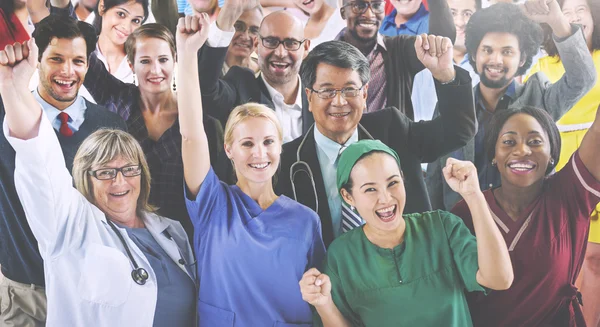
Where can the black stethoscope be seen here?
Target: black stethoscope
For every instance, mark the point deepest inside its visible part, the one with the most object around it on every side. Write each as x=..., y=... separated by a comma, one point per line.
x=302, y=167
x=139, y=274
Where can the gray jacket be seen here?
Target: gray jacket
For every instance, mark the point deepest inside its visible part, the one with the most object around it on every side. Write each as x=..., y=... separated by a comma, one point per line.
x=556, y=99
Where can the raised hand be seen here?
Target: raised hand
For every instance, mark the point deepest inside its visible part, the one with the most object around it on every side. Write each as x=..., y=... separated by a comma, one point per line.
x=17, y=64
x=316, y=288
x=192, y=32
x=435, y=52
x=549, y=12
x=462, y=177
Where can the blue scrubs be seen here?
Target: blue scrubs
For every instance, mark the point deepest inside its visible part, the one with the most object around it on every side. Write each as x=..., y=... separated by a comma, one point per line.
x=249, y=260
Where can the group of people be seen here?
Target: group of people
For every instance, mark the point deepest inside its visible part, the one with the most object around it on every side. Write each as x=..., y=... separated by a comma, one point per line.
x=239, y=174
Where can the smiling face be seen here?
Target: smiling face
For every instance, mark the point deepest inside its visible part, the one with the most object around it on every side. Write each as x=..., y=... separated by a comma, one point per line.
x=461, y=10
x=245, y=39
x=280, y=66
x=117, y=197
x=153, y=65
x=377, y=192
x=309, y=6
x=62, y=71
x=362, y=27
x=578, y=12
x=498, y=59
x=522, y=151
x=337, y=118
x=255, y=150
x=119, y=21
x=406, y=8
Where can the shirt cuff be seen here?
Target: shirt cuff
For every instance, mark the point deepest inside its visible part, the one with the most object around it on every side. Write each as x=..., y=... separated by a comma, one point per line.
x=575, y=30
x=217, y=38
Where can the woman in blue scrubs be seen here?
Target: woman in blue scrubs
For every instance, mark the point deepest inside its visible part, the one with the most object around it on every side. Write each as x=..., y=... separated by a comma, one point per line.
x=252, y=246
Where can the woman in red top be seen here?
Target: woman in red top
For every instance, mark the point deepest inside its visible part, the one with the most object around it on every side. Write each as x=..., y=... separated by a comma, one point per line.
x=544, y=219
x=13, y=22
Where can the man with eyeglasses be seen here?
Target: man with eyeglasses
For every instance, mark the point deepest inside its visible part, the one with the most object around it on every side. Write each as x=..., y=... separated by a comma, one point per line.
x=242, y=48
x=336, y=76
x=392, y=60
x=280, y=46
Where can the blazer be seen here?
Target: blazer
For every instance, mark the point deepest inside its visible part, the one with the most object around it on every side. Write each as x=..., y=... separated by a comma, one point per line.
x=415, y=142
x=238, y=86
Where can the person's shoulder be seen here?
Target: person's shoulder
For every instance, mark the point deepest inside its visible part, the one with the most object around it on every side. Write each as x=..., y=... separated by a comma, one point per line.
x=95, y=111
x=299, y=210
x=290, y=148
x=344, y=243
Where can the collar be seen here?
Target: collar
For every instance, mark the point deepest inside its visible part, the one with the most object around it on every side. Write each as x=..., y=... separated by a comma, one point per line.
x=278, y=97
x=380, y=40
x=510, y=92
x=465, y=60
x=329, y=146
x=76, y=110
x=412, y=24
x=155, y=223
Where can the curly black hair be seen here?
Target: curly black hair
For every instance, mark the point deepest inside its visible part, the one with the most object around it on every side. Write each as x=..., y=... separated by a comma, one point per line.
x=504, y=18
x=548, y=43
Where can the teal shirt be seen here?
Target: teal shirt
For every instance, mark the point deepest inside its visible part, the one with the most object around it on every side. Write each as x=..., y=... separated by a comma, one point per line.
x=420, y=282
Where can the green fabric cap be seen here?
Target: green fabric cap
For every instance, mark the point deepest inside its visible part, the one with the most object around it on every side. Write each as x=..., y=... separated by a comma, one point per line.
x=355, y=151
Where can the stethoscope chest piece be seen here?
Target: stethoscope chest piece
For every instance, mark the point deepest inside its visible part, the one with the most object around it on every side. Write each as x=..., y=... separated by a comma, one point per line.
x=139, y=275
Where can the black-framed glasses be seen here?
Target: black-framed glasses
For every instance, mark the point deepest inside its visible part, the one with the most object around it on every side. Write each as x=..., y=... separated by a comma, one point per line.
x=347, y=92
x=111, y=173
x=242, y=28
x=360, y=7
x=271, y=42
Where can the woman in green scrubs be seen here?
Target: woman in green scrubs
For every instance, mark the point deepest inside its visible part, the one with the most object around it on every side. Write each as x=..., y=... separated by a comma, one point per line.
x=404, y=270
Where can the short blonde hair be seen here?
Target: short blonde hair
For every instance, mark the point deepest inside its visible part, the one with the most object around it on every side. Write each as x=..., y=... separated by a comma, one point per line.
x=250, y=110
x=100, y=148
x=152, y=31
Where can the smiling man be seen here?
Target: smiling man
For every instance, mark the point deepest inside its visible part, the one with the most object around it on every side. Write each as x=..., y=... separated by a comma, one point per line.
x=64, y=47
x=280, y=45
x=392, y=60
x=336, y=76
x=244, y=42
x=501, y=50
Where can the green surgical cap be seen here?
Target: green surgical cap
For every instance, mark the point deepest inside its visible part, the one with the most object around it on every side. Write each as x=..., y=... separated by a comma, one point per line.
x=354, y=152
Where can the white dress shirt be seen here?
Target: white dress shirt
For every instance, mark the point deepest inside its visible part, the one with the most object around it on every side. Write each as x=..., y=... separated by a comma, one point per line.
x=87, y=269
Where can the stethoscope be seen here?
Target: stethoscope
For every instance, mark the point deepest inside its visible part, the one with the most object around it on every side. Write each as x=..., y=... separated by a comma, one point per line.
x=139, y=274
x=302, y=167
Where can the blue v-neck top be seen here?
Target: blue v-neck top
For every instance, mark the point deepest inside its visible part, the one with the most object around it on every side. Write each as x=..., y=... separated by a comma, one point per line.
x=251, y=260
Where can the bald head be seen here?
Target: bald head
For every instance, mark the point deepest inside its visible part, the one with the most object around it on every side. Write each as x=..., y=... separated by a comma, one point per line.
x=282, y=20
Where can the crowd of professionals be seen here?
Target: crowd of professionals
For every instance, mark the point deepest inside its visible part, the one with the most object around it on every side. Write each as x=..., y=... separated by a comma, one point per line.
x=299, y=163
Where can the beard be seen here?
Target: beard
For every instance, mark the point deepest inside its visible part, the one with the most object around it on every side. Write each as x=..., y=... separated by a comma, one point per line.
x=494, y=84
x=361, y=39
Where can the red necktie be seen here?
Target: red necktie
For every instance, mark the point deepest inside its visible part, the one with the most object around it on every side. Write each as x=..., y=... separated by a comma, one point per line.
x=64, y=127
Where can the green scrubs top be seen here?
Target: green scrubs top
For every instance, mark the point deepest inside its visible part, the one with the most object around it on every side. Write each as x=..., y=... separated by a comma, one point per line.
x=420, y=282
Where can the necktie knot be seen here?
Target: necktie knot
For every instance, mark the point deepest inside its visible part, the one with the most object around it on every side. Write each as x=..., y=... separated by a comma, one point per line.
x=65, y=130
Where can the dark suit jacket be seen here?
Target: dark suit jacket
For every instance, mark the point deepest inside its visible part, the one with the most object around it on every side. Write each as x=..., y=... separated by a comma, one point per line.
x=415, y=142
x=238, y=86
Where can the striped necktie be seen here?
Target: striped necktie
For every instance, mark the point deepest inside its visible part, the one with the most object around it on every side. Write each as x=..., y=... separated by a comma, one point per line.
x=350, y=219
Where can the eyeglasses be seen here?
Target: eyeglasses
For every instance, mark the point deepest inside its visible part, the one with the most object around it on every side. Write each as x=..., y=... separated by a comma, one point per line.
x=111, y=173
x=242, y=28
x=347, y=92
x=271, y=42
x=360, y=7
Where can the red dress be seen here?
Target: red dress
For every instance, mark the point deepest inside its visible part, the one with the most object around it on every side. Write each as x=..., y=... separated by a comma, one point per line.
x=8, y=36
x=547, y=247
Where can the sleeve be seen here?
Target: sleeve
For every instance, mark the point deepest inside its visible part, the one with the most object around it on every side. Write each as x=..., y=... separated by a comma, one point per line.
x=54, y=209
x=452, y=129
x=576, y=188
x=107, y=90
x=579, y=77
x=210, y=201
x=217, y=38
x=339, y=299
x=219, y=95
x=435, y=185
x=316, y=252
x=463, y=246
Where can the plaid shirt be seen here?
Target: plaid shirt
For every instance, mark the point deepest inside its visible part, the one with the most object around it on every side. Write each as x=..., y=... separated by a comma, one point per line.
x=163, y=155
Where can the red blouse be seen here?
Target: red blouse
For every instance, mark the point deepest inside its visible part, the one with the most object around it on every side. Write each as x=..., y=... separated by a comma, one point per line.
x=18, y=35
x=547, y=247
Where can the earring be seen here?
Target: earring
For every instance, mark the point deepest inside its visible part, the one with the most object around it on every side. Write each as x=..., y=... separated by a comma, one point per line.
x=551, y=162
x=494, y=162
x=352, y=208
x=174, y=85
x=134, y=80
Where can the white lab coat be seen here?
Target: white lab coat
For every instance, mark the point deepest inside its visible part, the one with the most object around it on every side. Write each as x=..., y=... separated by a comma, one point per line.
x=87, y=271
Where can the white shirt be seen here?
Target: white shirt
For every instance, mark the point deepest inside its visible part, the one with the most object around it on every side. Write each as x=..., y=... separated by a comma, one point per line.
x=87, y=271
x=123, y=72
x=332, y=28
x=289, y=115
